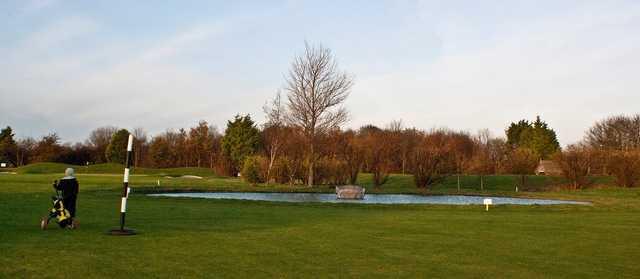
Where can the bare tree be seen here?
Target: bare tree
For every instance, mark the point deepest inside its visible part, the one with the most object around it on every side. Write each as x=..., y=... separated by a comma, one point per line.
x=522, y=161
x=488, y=155
x=25, y=150
x=395, y=126
x=432, y=159
x=214, y=146
x=615, y=133
x=316, y=90
x=350, y=150
x=574, y=162
x=139, y=145
x=377, y=152
x=462, y=146
x=99, y=139
x=273, y=130
x=625, y=167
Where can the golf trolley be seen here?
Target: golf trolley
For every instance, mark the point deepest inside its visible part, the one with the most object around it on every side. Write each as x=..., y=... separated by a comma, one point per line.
x=58, y=212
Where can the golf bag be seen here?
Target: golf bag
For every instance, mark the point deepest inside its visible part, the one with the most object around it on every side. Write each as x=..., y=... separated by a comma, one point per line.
x=58, y=212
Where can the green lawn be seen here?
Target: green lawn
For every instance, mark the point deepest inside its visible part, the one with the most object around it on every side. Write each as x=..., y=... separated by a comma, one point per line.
x=215, y=238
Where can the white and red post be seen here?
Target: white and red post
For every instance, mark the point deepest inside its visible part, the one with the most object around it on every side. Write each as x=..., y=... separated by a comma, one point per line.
x=125, y=184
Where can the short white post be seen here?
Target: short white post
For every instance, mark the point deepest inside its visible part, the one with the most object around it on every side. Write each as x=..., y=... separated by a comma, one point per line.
x=487, y=202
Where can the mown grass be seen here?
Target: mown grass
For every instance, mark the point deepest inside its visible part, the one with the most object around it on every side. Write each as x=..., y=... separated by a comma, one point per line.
x=223, y=238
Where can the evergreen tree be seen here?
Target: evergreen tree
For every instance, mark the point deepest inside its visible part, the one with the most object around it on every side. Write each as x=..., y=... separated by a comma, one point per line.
x=8, y=146
x=536, y=136
x=514, y=132
x=117, y=150
x=241, y=139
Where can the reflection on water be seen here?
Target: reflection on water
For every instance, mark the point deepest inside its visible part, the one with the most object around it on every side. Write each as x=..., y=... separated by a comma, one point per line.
x=368, y=199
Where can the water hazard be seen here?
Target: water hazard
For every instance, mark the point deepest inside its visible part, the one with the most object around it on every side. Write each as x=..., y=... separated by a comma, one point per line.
x=368, y=199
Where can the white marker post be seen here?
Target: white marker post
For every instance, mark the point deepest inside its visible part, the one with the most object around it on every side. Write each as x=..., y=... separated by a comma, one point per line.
x=487, y=203
x=125, y=192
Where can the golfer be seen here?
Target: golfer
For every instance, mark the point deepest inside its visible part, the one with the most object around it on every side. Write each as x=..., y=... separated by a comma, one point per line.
x=69, y=187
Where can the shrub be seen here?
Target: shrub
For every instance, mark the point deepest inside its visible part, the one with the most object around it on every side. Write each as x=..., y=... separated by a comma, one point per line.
x=523, y=162
x=224, y=167
x=285, y=171
x=253, y=169
x=574, y=162
x=331, y=172
x=377, y=152
x=481, y=165
x=432, y=160
x=625, y=167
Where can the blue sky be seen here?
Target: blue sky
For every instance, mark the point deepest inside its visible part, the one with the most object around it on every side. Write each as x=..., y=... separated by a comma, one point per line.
x=71, y=66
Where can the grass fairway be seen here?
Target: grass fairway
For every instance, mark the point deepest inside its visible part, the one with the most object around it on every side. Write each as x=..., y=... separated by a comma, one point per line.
x=213, y=238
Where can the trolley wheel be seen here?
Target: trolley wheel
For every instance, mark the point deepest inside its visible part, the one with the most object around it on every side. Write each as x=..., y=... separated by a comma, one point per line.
x=44, y=222
x=75, y=223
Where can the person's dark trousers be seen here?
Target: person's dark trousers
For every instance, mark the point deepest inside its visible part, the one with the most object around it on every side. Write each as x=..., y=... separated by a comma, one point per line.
x=70, y=204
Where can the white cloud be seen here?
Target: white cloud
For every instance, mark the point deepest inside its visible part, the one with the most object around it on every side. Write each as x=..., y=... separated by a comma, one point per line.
x=134, y=85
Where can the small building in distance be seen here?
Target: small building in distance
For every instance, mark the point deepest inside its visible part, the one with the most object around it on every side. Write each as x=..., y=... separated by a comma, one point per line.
x=548, y=167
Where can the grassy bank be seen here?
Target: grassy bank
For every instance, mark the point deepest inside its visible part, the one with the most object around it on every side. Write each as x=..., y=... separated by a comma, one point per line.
x=217, y=238
x=110, y=168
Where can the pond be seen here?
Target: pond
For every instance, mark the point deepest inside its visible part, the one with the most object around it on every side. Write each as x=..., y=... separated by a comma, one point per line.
x=368, y=199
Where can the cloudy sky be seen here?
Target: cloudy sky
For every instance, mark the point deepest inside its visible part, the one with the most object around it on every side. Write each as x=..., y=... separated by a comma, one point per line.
x=71, y=66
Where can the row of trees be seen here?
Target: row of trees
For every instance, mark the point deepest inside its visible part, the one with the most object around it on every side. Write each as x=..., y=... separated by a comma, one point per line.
x=611, y=147
x=340, y=155
x=277, y=152
x=198, y=147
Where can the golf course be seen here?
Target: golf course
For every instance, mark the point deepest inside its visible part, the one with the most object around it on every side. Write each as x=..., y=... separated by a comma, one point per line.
x=184, y=237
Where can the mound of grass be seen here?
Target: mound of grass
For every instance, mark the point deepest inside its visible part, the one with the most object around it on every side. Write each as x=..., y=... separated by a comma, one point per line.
x=176, y=172
x=43, y=168
x=106, y=168
x=52, y=168
x=111, y=168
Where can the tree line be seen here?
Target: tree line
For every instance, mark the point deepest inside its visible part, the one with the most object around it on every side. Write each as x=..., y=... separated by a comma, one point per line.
x=278, y=152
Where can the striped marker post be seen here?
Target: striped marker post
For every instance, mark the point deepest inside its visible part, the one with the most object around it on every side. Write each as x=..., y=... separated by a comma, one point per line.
x=125, y=192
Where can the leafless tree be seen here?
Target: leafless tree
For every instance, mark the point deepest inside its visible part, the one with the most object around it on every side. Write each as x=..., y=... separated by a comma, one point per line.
x=522, y=161
x=489, y=154
x=462, y=146
x=377, y=152
x=99, y=139
x=139, y=145
x=432, y=159
x=316, y=90
x=395, y=126
x=273, y=130
x=214, y=146
x=574, y=162
x=625, y=167
x=25, y=150
x=615, y=133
